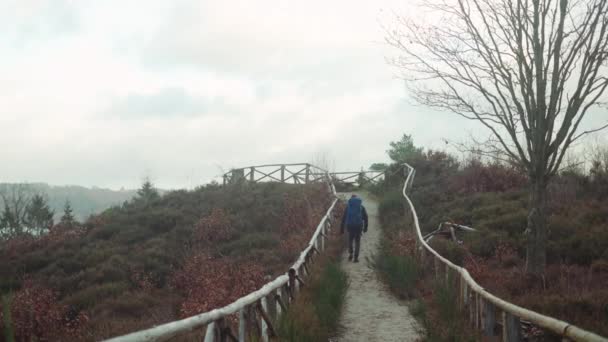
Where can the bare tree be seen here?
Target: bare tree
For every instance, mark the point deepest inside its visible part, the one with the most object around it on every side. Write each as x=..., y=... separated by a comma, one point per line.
x=528, y=70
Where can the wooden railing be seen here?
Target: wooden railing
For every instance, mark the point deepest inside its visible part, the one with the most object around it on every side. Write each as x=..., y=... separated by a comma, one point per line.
x=302, y=173
x=259, y=311
x=358, y=177
x=484, y=310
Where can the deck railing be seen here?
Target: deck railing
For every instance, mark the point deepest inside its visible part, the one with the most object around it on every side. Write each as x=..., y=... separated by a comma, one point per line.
x=484, y=310
x=259, y=311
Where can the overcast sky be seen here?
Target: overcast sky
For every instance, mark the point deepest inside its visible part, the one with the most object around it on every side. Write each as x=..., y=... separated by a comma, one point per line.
x=107, y=92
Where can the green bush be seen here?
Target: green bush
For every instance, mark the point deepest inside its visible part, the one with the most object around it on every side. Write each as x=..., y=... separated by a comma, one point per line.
x=391, y=203
x=449, y=250
x=316, y=315
x=249, y=242
x=93, y=295
x=485, y=241
x=400, y=272
x=329, y=295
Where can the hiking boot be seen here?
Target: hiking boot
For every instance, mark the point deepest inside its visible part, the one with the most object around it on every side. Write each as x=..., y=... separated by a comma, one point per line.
x=356, y=260
x=350, y=257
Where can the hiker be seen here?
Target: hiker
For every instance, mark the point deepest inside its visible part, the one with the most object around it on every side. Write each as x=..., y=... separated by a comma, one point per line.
x=355, y=219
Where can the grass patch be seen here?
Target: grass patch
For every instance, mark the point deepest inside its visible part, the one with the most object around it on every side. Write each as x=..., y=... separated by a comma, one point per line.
x=439, y=316
x=316, y=312
x=399, y=271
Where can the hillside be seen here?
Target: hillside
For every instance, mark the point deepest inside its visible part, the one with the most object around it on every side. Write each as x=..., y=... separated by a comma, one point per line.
x=493, y=199
x=84, y=201
x=155, y=259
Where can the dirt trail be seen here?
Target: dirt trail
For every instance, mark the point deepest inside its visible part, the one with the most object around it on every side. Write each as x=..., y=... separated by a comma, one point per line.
x=371, y=312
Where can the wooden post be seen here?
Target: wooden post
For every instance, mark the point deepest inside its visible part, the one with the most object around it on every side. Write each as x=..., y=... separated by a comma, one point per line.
x=292, y=283
x=242, y=325
x=252, y=175
x=471, y=302
x=511, y=328
x=264, y=332
x=285, y=294
x=489, y=319
x=461, y=289
x=323, y=230
x=277, y=303
x=478, y=309
x=436, y=267
x=307, y=173
x=282, y=173
x=272, y=307
x=210, y=333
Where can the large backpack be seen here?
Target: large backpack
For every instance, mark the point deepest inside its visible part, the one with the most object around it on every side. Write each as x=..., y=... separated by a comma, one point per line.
x=354, y=210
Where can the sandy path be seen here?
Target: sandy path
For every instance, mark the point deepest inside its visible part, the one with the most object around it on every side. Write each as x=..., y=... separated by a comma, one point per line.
x=371, y=312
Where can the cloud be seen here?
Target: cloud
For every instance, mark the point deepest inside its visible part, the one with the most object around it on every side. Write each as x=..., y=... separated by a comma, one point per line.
x=166, y=103
x=107, y=92
x=25, y=22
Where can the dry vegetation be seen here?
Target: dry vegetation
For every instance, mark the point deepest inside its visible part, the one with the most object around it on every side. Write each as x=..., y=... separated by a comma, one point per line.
x=154, y=259
x=492, y=198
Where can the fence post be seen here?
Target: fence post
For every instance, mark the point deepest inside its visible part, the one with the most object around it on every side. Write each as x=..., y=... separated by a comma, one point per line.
x=292, y=283
x=436, y=259
x=264, y=332
x=280, y=300
x=489, y=319
x=471, y=302
x=511, y=328
x=210, y=333
x=242, y=325
x=285, y=295
x=323, y=230
x=307, y=173
x=282, y=173
x=461, y=292
x=478, y=309
x=272, y=307
x=252, y=175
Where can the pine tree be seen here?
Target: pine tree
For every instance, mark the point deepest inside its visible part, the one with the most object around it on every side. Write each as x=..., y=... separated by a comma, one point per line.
x=147, y=192
x=38, y=215
x=67, y=220
x=9, y=224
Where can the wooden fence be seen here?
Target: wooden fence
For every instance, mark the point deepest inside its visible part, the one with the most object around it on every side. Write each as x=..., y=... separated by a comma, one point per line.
x=259, y=311
x=486, y=312
x=302, y=173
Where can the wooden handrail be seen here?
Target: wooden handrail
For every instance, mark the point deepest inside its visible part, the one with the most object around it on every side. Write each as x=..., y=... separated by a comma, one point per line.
x=551, y=324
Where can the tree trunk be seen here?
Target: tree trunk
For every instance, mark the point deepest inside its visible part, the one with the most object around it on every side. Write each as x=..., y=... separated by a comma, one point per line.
x=536, y=257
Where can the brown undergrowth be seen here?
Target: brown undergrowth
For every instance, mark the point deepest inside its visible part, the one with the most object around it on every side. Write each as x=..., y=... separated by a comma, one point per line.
x=152, y=261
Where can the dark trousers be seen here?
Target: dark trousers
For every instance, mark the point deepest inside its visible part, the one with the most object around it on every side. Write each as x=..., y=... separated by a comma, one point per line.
x=354, y=240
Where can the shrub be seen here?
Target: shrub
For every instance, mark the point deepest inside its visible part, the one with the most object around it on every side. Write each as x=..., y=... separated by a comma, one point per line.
x=400, y=271
x=316, y=312
x=391, y=204
x=329, y=294
x=449, y=250
x=90, y=296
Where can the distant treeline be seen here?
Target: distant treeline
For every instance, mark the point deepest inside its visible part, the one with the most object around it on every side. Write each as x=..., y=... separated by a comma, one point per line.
x=84, y=201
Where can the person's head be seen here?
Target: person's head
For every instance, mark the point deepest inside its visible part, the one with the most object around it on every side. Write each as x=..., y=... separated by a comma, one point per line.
x=353, y=196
